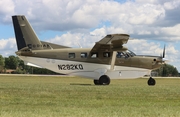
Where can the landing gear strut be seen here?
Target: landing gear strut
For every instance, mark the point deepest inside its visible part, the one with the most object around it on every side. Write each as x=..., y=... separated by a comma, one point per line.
x=151, y=82
x=103, y=80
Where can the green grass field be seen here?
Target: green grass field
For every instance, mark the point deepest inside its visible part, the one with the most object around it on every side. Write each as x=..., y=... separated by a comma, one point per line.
x=36, y=96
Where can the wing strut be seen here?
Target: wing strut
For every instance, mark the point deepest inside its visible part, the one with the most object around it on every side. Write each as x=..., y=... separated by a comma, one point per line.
x=113, y=60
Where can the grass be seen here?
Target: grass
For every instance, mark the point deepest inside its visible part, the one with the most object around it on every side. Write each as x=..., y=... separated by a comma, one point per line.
x=27, y=96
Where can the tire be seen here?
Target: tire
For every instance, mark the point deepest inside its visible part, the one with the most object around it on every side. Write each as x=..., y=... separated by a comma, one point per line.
x=96, y=82
x=104, y=80
x=151, y=82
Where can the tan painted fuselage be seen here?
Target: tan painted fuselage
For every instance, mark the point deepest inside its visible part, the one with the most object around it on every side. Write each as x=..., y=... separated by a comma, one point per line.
x=146, y=62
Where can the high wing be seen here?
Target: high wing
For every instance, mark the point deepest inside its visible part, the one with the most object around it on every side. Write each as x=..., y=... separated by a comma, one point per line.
x=111, y=42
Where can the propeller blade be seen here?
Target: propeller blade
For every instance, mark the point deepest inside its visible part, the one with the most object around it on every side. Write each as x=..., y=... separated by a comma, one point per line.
x=164, y=52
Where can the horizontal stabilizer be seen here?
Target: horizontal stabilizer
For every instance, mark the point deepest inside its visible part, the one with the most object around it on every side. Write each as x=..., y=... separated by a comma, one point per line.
x=47, y=45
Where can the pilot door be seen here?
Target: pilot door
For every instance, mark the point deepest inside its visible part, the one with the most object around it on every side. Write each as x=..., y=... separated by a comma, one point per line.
x=123, y=59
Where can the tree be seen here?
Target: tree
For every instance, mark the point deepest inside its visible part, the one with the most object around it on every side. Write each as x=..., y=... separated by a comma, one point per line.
x=2, y=64
x=167, y=70
x=42, y=71
x=11, y=62
x=175, y=72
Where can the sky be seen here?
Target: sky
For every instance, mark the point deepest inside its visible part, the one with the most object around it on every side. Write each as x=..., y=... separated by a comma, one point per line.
x=151, y=24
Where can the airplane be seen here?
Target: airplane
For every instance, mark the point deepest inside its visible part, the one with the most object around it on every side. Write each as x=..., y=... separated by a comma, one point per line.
x=107, y=60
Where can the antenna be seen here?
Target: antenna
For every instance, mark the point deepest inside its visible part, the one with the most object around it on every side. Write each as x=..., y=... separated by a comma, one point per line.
x=79, y=44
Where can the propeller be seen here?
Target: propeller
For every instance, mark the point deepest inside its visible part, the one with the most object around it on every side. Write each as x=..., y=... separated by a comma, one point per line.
x=163, y=56
x=164, y=51
x=163, y=61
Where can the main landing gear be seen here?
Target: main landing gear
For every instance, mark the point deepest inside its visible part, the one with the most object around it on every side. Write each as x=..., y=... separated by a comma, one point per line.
x=103, y=80
x=151, y=81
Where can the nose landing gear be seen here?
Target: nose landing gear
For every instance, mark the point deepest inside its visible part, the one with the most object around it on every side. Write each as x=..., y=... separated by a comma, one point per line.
x=151, y=81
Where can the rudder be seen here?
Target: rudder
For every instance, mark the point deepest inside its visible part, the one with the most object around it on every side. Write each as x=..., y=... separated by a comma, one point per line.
x=25, y=35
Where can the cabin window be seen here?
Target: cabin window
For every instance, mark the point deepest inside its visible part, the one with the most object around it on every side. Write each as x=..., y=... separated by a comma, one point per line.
x=83, y=55
x=71, y=55
x=106, y=54
x=94, y=55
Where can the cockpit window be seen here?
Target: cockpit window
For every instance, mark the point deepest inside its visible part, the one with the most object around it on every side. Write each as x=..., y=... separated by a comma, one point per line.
x=125, y=54
x=122, y=55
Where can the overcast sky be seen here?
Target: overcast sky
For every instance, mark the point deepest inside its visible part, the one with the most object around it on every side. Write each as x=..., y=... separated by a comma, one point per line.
x=150, y=23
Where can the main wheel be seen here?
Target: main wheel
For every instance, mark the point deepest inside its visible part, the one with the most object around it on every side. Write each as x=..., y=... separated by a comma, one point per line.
x=96, y=82
x=104, y=80
x=151, y=82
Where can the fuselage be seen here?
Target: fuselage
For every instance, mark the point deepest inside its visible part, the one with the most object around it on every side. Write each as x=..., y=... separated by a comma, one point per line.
x=83, y=62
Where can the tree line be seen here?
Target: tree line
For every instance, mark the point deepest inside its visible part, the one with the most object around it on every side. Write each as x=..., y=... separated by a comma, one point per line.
x=167, y=70
x=14, y=65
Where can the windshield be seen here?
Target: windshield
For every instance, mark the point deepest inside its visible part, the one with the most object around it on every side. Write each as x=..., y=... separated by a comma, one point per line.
x=131, y=53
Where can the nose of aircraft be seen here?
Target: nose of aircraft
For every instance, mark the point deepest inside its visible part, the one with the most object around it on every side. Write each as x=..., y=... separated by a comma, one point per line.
x=161, y=59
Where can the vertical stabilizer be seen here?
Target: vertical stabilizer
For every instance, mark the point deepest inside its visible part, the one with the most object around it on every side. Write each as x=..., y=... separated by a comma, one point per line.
x=25, y=35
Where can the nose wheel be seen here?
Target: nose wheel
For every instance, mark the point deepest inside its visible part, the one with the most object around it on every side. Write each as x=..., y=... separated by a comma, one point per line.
x=151, y=81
